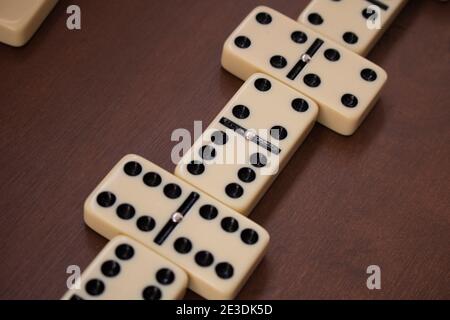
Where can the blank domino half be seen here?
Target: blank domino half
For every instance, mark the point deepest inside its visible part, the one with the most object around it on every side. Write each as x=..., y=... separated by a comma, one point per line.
x=345, y=85
x=127, y=270
x=216, y=246
x=346, y=21
x=19, y=19
x=258, y=130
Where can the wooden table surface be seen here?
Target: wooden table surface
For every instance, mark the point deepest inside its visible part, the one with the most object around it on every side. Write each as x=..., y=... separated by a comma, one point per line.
x=74, y=102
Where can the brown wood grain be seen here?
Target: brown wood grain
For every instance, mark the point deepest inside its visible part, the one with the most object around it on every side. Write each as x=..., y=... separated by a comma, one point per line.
x=73, y=102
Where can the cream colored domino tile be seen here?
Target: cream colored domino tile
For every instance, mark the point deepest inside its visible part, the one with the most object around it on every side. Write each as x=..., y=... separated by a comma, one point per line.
x=127, y=270
x=19, y=19
x=216, y=246
x=344, y=84
x=237, y=168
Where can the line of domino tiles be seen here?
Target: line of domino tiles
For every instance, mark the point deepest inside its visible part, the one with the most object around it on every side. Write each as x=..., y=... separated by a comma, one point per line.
x=170, y=232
